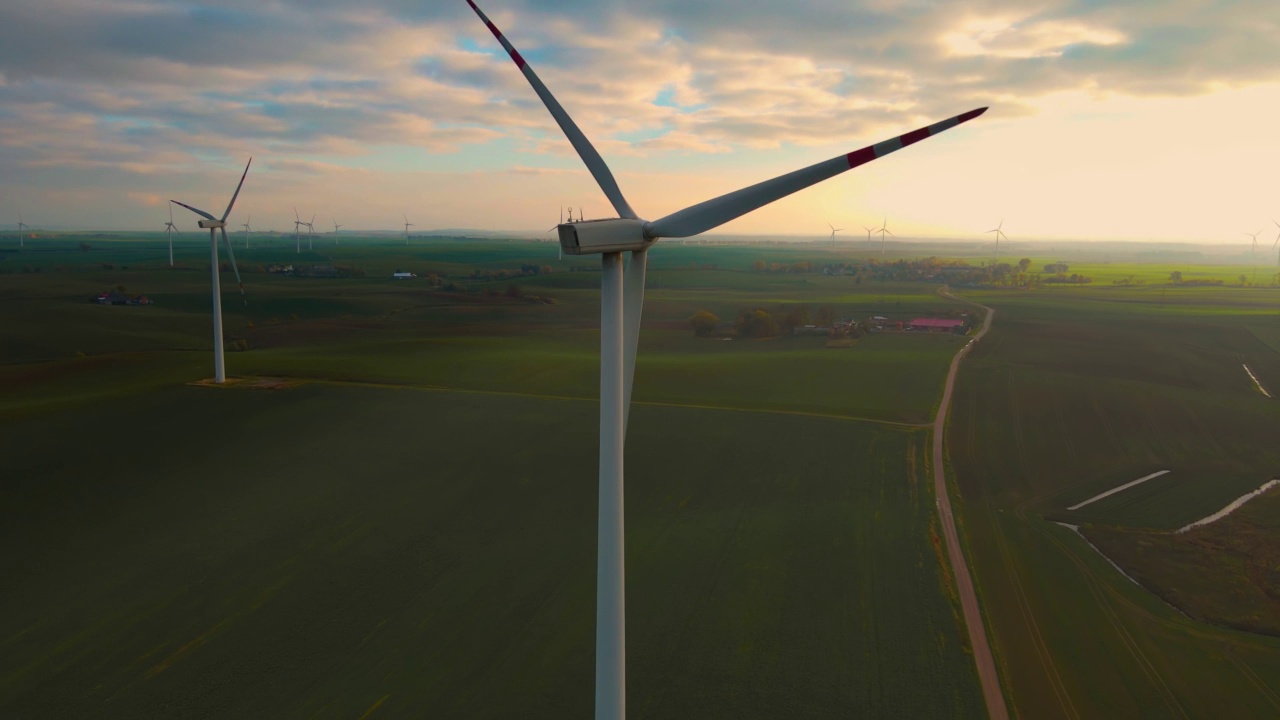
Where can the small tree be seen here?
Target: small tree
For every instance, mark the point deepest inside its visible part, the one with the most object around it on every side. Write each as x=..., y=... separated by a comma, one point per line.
x=1023, y=264
x=756, y=323
x=1176, y=276
x=84, y=247
x=704, y=324
x=1243, y=280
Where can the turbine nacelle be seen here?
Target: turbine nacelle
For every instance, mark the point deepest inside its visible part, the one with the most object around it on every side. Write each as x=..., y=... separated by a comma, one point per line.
x=212, y=224
x=588, y=237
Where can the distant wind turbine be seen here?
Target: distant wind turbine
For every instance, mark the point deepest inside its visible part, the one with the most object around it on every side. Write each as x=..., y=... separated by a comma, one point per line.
x=869, y=231
x=1254, y=254
x=311, y=231
x=169, y=230
x=247, y=230
x=558, y=245
x=335, y=232
x=297, y=236
x=21, y=227
x=407, y=225
x=216, y=225
x=621, y=301
x=999, y=234
x=884, y=228
x=834, y=230
x=1276, y=244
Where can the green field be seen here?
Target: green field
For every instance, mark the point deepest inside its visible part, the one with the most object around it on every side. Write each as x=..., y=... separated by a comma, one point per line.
x=1225, y=572
x=1079, y=390
x=409, y=531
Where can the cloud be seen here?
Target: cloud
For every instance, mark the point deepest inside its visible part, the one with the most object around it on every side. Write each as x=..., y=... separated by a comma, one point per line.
x=154, y=88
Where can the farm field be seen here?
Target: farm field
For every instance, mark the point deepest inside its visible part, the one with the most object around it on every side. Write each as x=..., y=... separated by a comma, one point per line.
x=410, y=529
x=1224, y=572
x=319, y=549
x=1076, y=391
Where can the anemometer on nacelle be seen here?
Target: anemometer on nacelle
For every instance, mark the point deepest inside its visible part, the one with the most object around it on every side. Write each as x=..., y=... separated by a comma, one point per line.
x=587, y=237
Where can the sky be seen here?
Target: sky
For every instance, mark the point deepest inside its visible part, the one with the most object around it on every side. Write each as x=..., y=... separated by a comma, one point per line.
x=1121, y=119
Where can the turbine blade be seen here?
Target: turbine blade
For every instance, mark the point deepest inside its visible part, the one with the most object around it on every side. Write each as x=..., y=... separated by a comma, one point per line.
x=197, y=211
x=718, y=211
x=232, y=253
x=595, y=164
x=237, y=192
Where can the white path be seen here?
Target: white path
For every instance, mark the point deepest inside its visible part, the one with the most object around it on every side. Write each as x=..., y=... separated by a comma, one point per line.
x=1115, y=490
x=1255, y=380
x=1235, y=505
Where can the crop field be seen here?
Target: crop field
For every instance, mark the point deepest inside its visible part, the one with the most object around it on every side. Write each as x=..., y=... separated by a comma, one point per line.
x=1079, y=390
x=1225, y=572
x=408, y=529
x=325, y=546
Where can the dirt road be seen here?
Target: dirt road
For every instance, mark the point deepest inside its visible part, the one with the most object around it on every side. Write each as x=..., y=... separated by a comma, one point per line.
x=991, y=692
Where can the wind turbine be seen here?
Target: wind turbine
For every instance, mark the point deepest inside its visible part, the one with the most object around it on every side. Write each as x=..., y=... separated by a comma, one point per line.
x=297, y=236
x=834, y=230
x=1276, y=244
x=216, y=225
x=335, y=232
x=23, y=226
x=311, y=229
x=246, y=231
x=1254, y=254
x=999, y=234
x=561, y=247
x=621, y=299
x=884, y=227
x=869, y=231
x=407, y=225
x=169, y=230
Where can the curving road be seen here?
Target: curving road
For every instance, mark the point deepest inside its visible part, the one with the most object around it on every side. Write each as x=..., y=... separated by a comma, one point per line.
x=964, y=583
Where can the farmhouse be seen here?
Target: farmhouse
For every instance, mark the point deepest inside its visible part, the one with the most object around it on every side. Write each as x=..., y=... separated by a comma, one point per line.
x=403, y=275
x=937, y=324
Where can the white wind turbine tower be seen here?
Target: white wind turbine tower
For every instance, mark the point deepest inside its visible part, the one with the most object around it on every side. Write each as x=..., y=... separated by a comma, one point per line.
x=884, y=226
x=335, y=232
x=999, y=234
x=169, y=230
x=311, y=229
x=215, y=226
x=407, y=225
x=561, y=247
x=869, y=231
x=620, y=305
x=297, y=236
x=834, y=230
x=22, y=227
x=1276, y=244
x=247, y=230
x=1254, y=253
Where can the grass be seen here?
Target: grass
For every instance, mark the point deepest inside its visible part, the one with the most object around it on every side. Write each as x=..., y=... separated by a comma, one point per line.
x=1073, y=393
x=337, y=546
x=1226, y=573
x=313, y=550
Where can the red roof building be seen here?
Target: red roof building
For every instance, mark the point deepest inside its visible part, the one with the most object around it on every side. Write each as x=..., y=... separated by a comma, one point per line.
x=936, y=324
